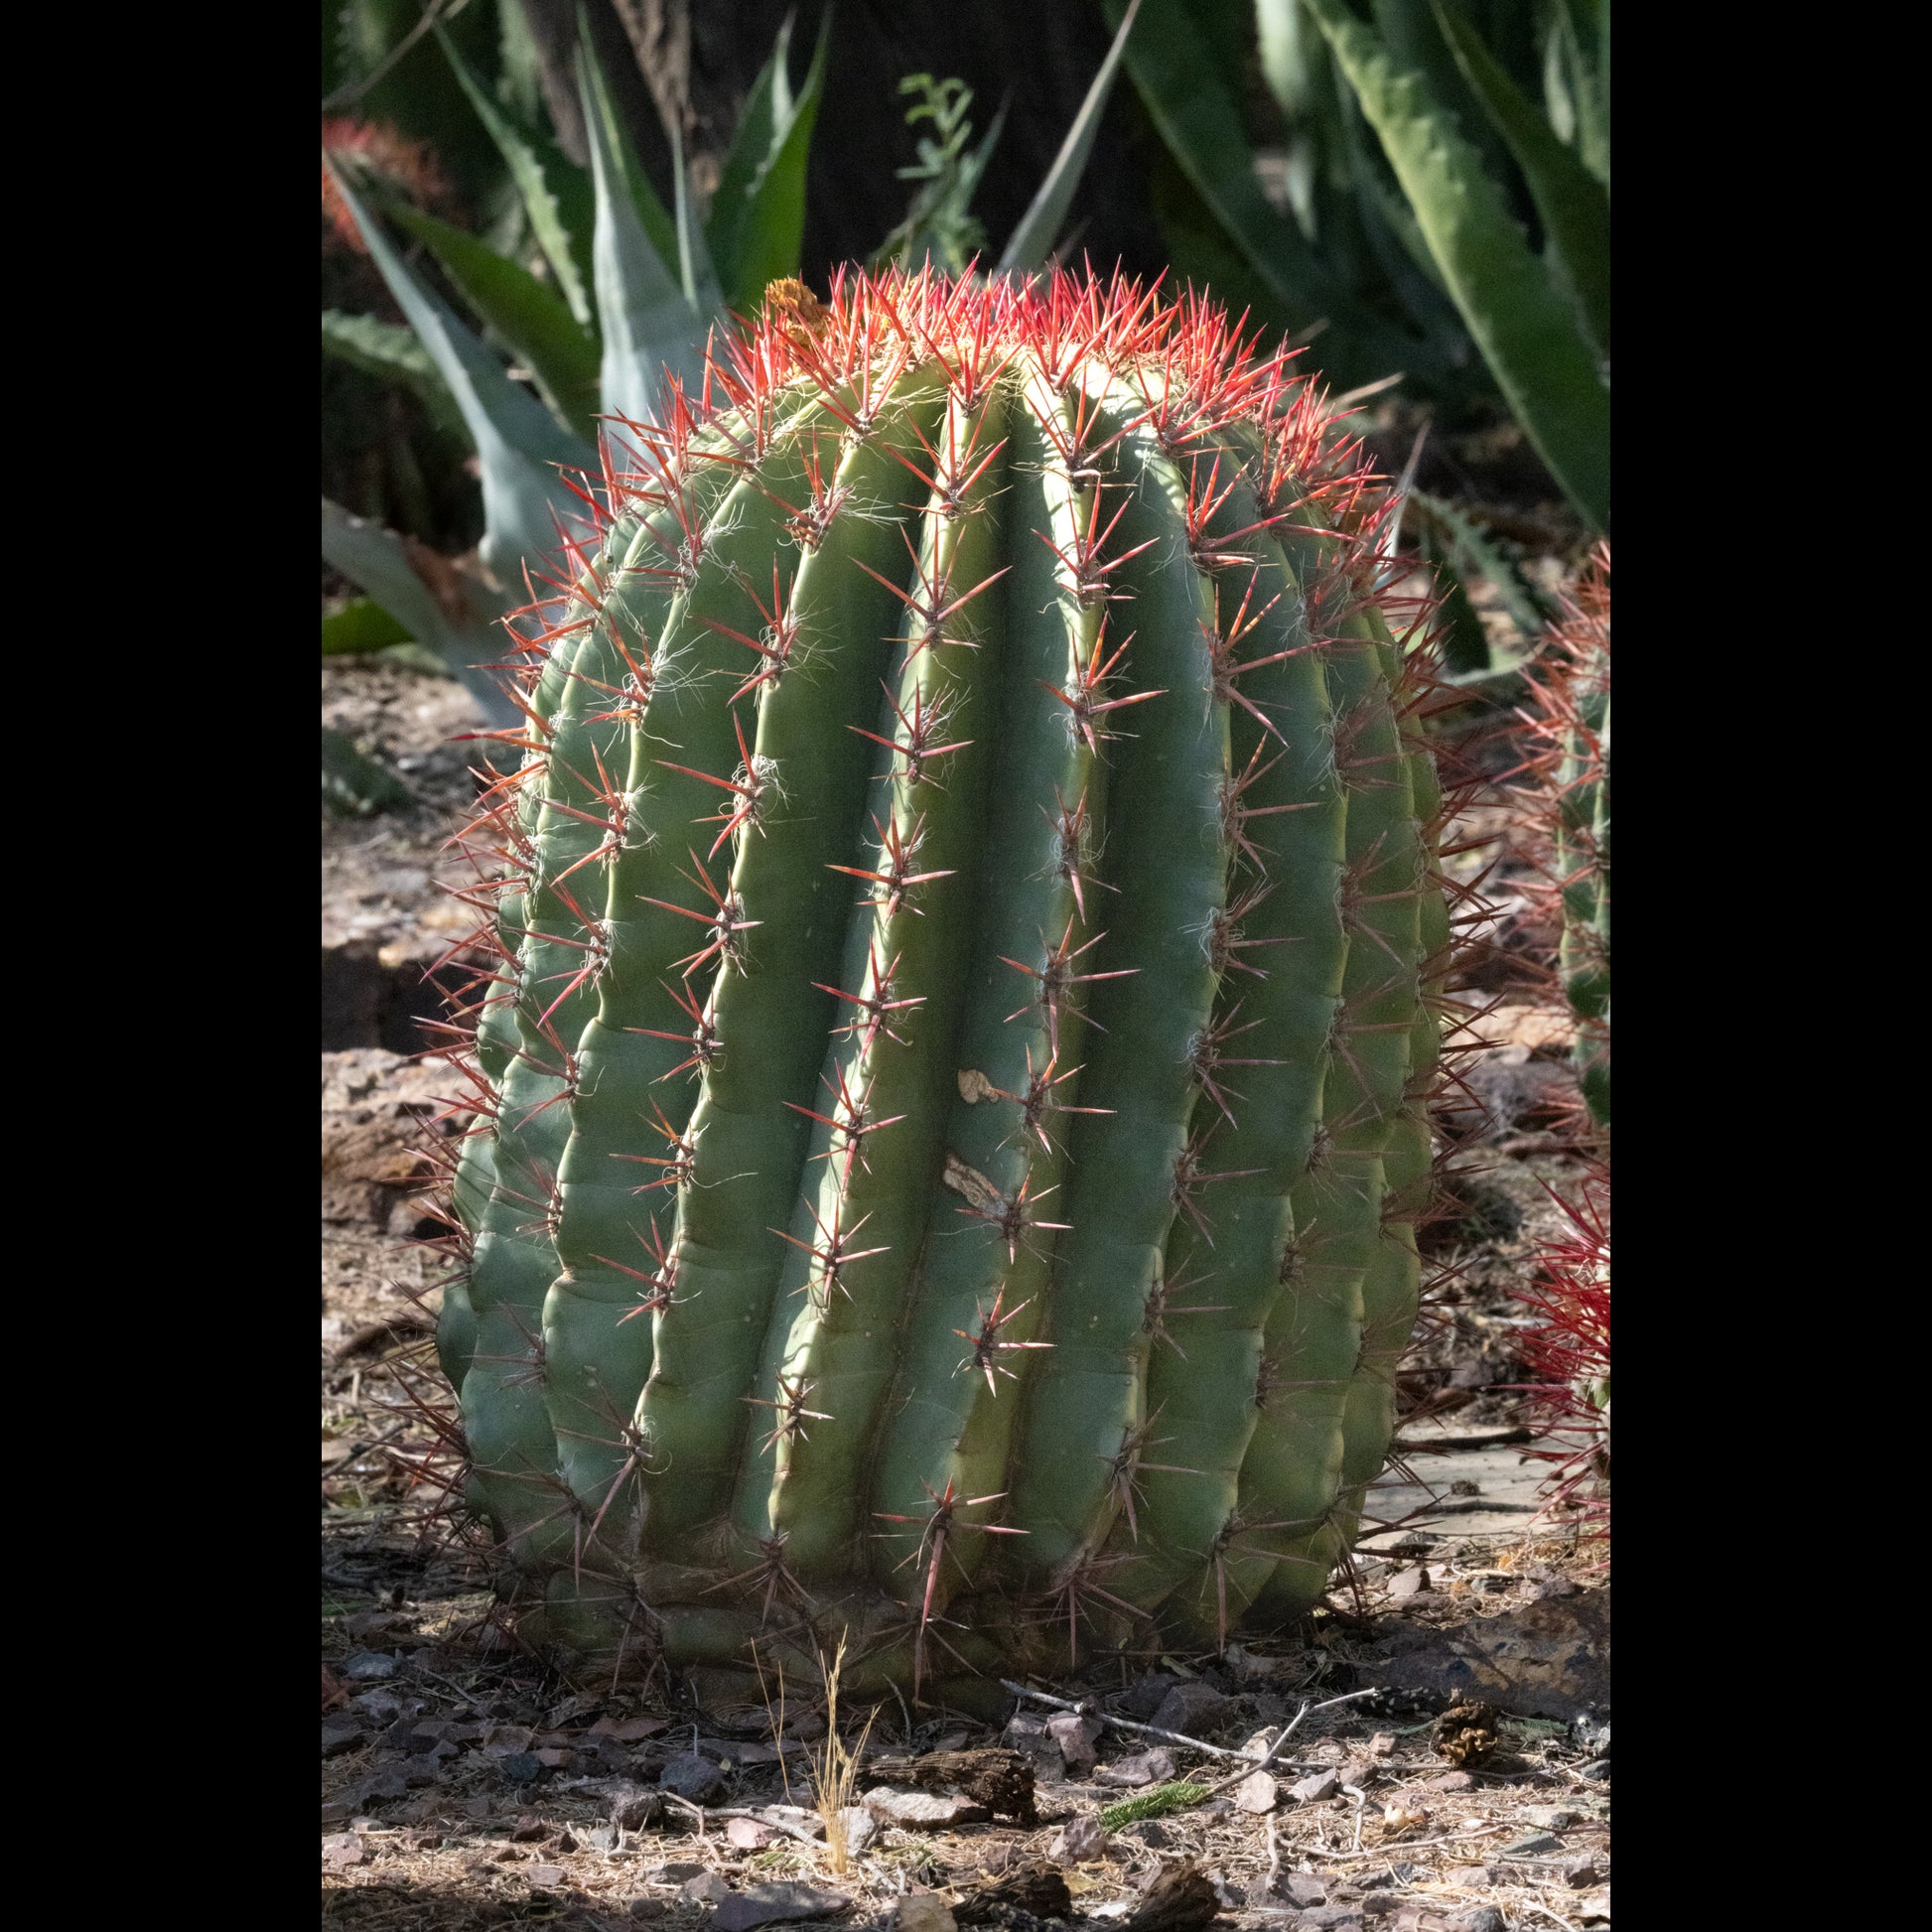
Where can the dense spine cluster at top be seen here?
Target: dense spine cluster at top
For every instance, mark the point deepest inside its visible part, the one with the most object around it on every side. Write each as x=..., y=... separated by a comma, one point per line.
x=949, y=1108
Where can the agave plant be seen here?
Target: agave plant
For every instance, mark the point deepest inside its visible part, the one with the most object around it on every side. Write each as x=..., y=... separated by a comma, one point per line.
x=615, y=329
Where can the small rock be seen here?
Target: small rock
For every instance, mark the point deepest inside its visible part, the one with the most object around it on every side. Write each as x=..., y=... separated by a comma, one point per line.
x=634, y=1806
x=553, y=1758
x=343, y=1847
x=1478, y=1918
x=1190, y=1708
x=1256, y=1793
x=1549, y=1818
x=370, y=1666
x=648, y=1908
x=603, y=1838
x=337, y=1738
x=529, y=1831
x=806, y=1821
x=1311, y=1789
x=1026, y=1732
x=774, y=1905
x=1453, y=1782
x=1149, y=1832
x=898, y=1806
x=861, y=1828
x=695, y=1779
x=1301, y=1889
x=922, y=1911
x=1580, y=1873
x=1592, y=1906
x=1230, y=1897
x=1332, y=1919
x=1597, y=1768
x=1144, y=1767
x=705, y=1889
x=1471, y=1878
x=1076, y=1738
x=544, y=1878
x=676, y=1872
x=749, y=1834
x=1537, y=1844
x=1410, y=1583
x=521, y=1767
x=1077, y=1840
x=1357, y=1771
x=1382, y=1744
x=1142, y=1698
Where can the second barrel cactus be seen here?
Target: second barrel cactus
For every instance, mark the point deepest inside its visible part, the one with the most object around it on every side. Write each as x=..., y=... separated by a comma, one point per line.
x=951, y=1104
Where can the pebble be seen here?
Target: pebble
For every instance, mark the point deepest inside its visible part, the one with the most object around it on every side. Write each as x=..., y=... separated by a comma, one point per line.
x=1453, y=1782
x=1550, y=1818
x=1151, y=1833
x=1190, y=1708
x=643, y=1909
x=921, y=1912
x=1478, y=1918
x=705, y=1889
x=1144, y=1767
x=695, y=1779
x=1598, y=1767
x=1256, y=1793
x=749, y=1833
x=1301, y=1889
x=368, y=1666
x=1076, y=1738
x=1314, y=1788
x=861, y=1828
x=521, y=1767
x=1078, y=1840
x=633, y=1806
x=1536, y=1845
x=774, y=1904
x=1580, y=1872
x=1332, y=1918
x=904, y=1807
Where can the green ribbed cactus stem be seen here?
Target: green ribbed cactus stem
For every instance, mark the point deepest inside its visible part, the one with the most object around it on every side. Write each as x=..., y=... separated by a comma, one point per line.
x=1570, y=819
x=968, y=938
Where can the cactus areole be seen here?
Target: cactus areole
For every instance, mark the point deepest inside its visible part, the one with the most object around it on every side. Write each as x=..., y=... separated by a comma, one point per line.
x=950, y=1096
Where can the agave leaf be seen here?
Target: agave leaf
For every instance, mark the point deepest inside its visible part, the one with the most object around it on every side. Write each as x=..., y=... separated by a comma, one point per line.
x=647, y=324
x=757, y=215
x=530, y=316
x=471, y=643
x=694, y=265
x=1522, y=325
x=1574, y=206
x=518, y=443
x=1479, y=555
x=1583, y=35
x=361, y=626
x=1465, y=645
x=1199, y=121
x=1032, y=240
x=354, y=784
x=556, y=194
x=388, y=349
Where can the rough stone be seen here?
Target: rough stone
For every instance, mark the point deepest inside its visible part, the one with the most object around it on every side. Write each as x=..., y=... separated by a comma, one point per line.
x=1537, y=1844
x=1142, y=1767
x=861, y=1828
x=1314, y=1788
x=1144, y=1697
x=1077, y=1840
x=1547, y=1660
x=1478, y=1918
x=1190, y=1708
x=898, y=1806
x=705, y=1889
x=1076, y=1738
x=695, y=1779
x=774, y=1904
x=1301, y=1889
x=922, y=1911
x=1256, y=1793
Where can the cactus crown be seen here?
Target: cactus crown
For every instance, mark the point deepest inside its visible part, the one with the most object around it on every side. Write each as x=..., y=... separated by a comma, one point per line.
x=950, y=1094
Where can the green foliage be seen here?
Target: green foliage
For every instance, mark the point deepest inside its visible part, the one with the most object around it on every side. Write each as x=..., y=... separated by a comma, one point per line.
x=355, y=785
x=938, y=226
x=1156, y=1802
x=894, y=1109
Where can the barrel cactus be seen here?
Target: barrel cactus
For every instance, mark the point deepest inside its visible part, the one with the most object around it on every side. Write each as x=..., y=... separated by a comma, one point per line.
x=950, y=1102
x=1567, y=818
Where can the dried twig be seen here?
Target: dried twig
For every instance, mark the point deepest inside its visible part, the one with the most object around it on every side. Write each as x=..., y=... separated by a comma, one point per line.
x=1268, y=1756
x=703, y=1813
